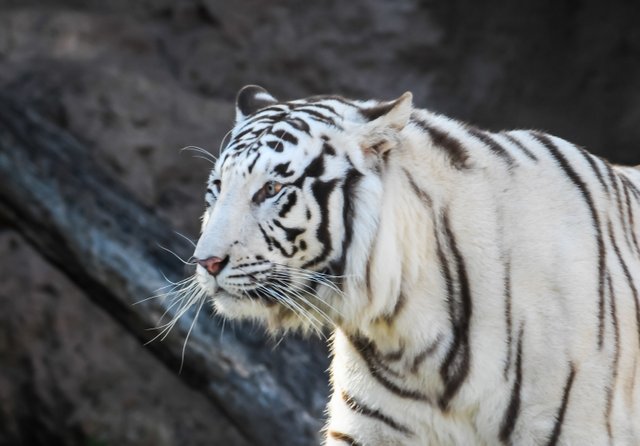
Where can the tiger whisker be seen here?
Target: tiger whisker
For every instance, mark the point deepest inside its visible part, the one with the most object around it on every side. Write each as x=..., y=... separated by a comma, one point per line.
x=313, y=277
x=185, y=298
x=186, y=238
x=328, y=284
x=319, y=273
x=222, y=143
x=307, y=289
x=204, y=152
x=204, y=158
x=186, y=339
x=172, y=285
x=189, y=262
x=282, y=287
x=178, y=299
x=293, y=306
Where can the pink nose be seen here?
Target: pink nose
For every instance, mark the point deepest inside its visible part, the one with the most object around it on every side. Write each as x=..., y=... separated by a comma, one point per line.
x=213, y=265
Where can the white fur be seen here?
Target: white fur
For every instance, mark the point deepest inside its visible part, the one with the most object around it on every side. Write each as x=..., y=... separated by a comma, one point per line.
x=530, y=216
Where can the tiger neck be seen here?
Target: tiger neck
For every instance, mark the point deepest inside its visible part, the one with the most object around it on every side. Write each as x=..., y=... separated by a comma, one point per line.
x=403, y=291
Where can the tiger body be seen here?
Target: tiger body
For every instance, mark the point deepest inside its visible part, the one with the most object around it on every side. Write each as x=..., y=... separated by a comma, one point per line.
x=484, y=286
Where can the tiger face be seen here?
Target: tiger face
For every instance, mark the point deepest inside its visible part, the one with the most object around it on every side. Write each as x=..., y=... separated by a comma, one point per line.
x=282, y=201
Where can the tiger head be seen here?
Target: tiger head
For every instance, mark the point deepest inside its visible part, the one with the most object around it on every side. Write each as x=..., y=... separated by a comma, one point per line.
x=292, y=207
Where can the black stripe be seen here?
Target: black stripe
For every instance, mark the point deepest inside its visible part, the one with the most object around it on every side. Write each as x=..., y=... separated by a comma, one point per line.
x=283, y=251
x=507, y=316
x=513, y=410
x=422, y=195
x=343, y=437
x=627, y=275
x=267, y=116
x=314, y=169
x=292, y=198
x=283, y=170
x=322, y=192
x=290, y=233
x=328, y=149
x=632, y=223
x=320, y=106
x=584, y=190
x=616, y=357
x=247, y=265
x=516, y=142
x=317, y=116
x=634, y=189
x=253, y=163
x=348, y=209
x=374, y=112
x=443, y=140
x=330, y=97
x=455, y=366
x=587, y=156
x=557, y=428
x=276, y=145
x=496, y=148
x=266, y=237
x=299, y=124
x=368, y=354
x=373, y=356
x=359, y=407
x=623, y=221
x=249, y=129
x=285, y=136
x=401, y=301
x=424, y=354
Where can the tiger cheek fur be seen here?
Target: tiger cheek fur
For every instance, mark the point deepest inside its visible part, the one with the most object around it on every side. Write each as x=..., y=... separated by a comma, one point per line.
x=482, y=288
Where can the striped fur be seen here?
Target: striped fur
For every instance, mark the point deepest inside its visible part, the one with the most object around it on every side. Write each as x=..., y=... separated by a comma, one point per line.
x=482, y=288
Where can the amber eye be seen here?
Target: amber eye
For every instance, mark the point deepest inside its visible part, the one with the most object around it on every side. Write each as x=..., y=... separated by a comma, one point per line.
x=270, y=189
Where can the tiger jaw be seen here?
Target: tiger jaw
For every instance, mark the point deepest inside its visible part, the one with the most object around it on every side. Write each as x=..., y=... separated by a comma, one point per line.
x=223, y=287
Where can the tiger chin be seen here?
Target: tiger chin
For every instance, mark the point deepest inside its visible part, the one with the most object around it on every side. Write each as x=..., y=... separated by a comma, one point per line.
x=482, y=287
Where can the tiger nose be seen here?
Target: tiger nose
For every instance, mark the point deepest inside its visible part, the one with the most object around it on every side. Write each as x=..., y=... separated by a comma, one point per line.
x=213, y=265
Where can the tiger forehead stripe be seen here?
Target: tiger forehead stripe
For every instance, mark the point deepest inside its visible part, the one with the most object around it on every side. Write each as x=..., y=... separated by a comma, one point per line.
x=278, y=124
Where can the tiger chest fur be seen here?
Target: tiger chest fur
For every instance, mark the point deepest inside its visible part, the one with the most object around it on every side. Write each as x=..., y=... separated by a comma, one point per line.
x=482, y=288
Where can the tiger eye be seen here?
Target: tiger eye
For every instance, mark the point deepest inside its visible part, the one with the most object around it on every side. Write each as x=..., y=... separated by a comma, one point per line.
x=272, y=188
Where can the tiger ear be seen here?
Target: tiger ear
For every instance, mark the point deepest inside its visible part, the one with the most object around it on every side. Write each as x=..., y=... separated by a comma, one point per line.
x=384, y=122
x=250, y=99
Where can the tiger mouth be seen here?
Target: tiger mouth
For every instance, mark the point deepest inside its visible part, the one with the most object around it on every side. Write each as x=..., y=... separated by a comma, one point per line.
x=253, y=291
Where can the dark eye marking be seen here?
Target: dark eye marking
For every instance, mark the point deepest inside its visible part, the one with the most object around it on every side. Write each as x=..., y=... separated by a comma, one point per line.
x=270, y=189
x=217, y=184
x=290, y=203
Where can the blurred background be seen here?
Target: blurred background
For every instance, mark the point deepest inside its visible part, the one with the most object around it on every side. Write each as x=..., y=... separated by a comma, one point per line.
x=133, y=81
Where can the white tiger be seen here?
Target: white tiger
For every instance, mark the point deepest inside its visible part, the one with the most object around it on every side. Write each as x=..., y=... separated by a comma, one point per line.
x=482, y=288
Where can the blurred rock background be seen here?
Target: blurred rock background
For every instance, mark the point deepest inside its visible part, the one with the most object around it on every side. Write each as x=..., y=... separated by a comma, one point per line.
x=137, y=80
